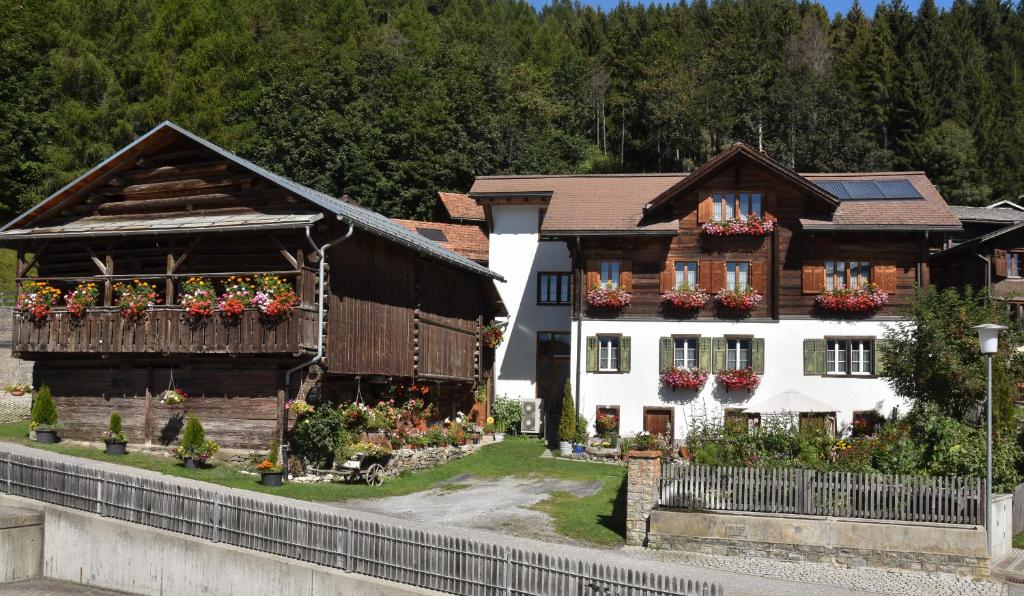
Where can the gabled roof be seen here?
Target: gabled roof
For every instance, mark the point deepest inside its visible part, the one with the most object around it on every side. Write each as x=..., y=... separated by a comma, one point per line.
x=736, y=151
x=361, y=218
x=466, y=239
x=460, y=206
x=1005, y=205
x=929, y=212
x=990, y=214
x=979, y=240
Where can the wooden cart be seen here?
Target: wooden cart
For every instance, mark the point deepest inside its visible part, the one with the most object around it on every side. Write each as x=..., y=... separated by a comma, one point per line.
x=368, y=468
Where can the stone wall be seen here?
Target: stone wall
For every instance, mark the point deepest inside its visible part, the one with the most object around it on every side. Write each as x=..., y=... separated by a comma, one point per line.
x=415, y=460
x=641, y=493
x=12, y=370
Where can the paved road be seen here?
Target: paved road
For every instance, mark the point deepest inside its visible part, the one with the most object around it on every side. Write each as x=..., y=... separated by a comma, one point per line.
x=50, y=587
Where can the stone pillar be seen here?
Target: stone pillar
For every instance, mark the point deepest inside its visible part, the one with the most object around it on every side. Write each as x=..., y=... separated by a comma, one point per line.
x=641, y=493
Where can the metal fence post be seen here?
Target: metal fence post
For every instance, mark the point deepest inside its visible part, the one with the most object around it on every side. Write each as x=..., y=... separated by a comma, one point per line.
x=216, y=518
x=508, y=571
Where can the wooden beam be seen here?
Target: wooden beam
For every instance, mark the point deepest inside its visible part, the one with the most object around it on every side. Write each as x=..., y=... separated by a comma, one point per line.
x=169, y=281
x=108, y=283
x=285, y=252
x=102, y=266
x=188, y=251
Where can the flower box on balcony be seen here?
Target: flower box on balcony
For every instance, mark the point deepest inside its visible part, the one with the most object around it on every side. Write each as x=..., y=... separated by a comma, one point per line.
x=681, y=378
x=607, y=296
x=861, y=299
x=752, y=225
x=735, y=380
x=746, y=299
x=684, y=298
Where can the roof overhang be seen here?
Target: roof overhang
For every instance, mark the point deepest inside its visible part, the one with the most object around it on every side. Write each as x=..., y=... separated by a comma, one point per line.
x=559, y=234
x=824, y=226
x=169, y=226
x=979, y=240
x=535, y=197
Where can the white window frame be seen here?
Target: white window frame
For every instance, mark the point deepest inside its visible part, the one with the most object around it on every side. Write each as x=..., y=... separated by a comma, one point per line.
x=685, y=274
x=836, y=351
x=610, y=272
x=608, y=354
x=684, y=352
x=849, y=356
x=861, y=356
x=738, y=350
x=737, y=275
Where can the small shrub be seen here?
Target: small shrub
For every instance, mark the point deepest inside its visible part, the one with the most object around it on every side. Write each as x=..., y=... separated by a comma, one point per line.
x=314, y=438
x=194, y=444
x=507, y=414
x=567, y=425
x=44, y=410
x=581, y=430
x=114, y=432
x=436, y=436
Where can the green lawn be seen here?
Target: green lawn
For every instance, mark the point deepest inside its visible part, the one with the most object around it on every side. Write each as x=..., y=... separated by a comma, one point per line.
x=598, y=519
x=1018, y=540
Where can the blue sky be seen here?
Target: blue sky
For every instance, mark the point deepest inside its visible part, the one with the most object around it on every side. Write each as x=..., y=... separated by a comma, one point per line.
x=833, y=6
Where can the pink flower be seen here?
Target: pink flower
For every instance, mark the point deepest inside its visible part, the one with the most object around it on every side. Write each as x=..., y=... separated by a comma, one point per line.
x=681, y=378
x=744, y=378
x=607, y=296
x=739, y=299
x=752, y=225
x=864, y=298
x=686, y=299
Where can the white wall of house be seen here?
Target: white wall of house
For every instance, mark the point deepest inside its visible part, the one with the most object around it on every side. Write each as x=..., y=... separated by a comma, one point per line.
x=784, y=369
x=517, y=254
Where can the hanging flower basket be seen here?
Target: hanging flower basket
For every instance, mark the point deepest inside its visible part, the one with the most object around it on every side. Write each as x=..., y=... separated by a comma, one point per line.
x=173, y=396
x=684, y=298
x=865, y=298
x=682, y=378
x=735, y=380
x=752, y=225
x=134, y=299
x=608, y=297
x=739, y=299
x=298, y=407
x=83, y=297
x=275, y=298
x=198, y=298
x=237, y=297
x=493, y=335
x=37, y=300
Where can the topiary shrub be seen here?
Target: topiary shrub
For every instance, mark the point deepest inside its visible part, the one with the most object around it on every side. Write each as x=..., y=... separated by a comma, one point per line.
x=567, y=425
x=44, y=410
x=114, y=432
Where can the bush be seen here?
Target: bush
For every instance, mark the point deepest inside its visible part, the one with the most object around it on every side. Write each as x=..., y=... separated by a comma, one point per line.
x=115, y=423
x=567, y=424
x=194, y=444
x=581, y=431
x=315, y=437
x=507, y=414
x=44, y=410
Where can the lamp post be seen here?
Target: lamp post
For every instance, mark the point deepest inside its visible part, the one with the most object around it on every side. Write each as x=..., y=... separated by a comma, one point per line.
x=988, y=340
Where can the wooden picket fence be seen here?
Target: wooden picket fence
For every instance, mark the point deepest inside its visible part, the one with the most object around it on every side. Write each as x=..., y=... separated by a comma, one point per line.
x=1018, y=509
x=435, y=560
x=952, y=500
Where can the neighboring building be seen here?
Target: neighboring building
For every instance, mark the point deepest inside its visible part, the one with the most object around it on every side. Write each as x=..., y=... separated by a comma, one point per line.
x=644, y=233
x=171, y=206
x=453, y=207
x=469, y=241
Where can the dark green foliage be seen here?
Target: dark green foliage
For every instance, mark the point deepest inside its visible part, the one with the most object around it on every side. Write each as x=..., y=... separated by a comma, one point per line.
x=275, y=452
x=44, y=410
x=567, y=425
x=194, y=436
x=392, y=101
x=115, y=423
x=315, y=436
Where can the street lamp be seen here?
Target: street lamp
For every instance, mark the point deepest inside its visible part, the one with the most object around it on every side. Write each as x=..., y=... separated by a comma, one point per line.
x=988, y=340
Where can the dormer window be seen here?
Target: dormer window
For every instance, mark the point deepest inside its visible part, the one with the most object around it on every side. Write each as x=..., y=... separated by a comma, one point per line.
x=732, y=205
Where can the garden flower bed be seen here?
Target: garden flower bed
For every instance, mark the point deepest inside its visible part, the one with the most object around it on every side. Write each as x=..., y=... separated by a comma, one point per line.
x=864, y=298
x=682, y=378
x=684, y=298
x=752, y=225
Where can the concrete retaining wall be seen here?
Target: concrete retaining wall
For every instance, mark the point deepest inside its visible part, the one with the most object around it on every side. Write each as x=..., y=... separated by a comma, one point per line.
x=103, y=552
x=21, y=544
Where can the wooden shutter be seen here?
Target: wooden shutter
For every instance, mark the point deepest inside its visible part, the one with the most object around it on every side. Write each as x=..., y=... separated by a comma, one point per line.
x=626, y=275
x=592, y=350
x=668, y=276
x=704, y=275
x=705, y=209
x=813, y=278
x=814, y=356
x=757, y=276
x=879, y=357
x=593, y=274
x=666, y=348
x=884, y=276
x=1000, y=263
x=717, y=276
x=704, y=353
x=624, y=354
x=757, y=354
x=718, y=346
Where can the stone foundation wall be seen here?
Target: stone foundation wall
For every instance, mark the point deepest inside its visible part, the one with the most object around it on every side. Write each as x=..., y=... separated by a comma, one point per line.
x=642, y=489
x=416, y=460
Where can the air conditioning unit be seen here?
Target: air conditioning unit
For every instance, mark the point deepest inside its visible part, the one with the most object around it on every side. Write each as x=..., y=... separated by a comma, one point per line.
x=531, y=416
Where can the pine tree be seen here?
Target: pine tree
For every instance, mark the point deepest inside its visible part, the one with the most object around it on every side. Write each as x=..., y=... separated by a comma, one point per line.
x=194, y=437
x=44, y=410
x=115, y=424
x=567, y=423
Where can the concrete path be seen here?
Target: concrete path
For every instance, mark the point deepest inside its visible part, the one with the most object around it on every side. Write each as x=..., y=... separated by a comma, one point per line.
x=52, y=587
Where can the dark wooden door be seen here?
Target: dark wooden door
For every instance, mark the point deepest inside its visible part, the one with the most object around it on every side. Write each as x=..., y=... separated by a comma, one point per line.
x=552, y=372
x=657, y=421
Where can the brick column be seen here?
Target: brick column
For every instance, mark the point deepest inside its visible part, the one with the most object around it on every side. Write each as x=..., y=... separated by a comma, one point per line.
x=641, y=493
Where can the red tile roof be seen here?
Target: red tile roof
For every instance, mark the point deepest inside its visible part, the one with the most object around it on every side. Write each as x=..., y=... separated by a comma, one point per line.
x=467, y=240
x=460, y=206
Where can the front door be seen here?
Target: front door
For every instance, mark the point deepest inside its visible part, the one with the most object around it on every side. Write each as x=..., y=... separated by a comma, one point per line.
x=553, y=356
x=658, y=421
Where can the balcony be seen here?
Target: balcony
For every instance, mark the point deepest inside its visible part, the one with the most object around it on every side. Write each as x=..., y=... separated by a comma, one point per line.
x=166, y=330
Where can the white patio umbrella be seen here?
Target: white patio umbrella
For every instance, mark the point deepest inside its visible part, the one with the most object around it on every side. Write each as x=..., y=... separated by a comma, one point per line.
x=789, y=401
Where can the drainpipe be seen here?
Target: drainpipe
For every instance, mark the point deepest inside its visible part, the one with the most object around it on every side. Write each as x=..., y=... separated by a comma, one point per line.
x=988, y=274
x=579, y=326
x=321, y=251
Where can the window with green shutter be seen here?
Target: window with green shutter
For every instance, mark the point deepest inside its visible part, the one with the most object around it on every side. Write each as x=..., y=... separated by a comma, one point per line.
x=704, y=353
x=592, y=348
x=814, y=356
x=624, y=354
x=880, y=345
x=757, y=354
x=665, y=353
x=718, y=347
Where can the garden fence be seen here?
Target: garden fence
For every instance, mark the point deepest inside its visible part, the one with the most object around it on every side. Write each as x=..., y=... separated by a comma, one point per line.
x=436, y=561
x=1018, y=509
x=952, y=500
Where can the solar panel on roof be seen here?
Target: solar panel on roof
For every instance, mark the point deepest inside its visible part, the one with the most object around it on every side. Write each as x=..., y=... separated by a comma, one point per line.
x=869, y=190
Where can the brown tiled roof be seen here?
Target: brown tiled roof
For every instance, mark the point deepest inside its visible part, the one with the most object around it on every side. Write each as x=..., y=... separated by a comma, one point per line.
x=460, y=206
x=464, y=239
x=590, y=204
x=931, y=212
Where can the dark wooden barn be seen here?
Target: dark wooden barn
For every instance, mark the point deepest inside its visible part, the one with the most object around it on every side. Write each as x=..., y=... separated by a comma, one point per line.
x=173, y=206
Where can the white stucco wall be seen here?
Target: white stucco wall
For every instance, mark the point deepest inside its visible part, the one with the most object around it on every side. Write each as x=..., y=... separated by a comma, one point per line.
x=517, y=255
x=641, y=386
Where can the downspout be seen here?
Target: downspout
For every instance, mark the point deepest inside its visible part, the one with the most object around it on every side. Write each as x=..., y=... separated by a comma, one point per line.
x=579, y=324
x=322, y=253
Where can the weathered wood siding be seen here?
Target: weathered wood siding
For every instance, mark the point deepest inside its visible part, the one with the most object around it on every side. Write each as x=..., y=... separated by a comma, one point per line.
x=447, y=328
x=239, y=405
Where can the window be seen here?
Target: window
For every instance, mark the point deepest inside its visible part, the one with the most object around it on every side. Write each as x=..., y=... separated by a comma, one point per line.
x=737, y=275
x=609, y=271
x=686, y=274
x=849, y=357
x=842, y=274
x=684, y=352
x=608, y=356
x=1013, y=264
x=737, y=353
x=729, y=205
x=724, y=205
x=432, y=234
x=552, y=288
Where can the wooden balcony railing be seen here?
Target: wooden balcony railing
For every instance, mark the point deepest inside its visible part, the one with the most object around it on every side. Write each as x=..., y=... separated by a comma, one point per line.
x=165, y=330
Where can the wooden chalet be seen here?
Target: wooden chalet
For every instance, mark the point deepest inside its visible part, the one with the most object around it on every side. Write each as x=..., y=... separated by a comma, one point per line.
x=171, y=206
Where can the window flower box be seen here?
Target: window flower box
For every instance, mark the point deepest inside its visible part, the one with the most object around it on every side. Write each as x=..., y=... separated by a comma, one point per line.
x=37, y=300
x=736, y=380
x=198, y=298
x=83, y=297
x=682, y=378
x=607, y=296
x=861, y=299
x=134, y=299
x=684, y=298
x=752, y=225
x=746, y=299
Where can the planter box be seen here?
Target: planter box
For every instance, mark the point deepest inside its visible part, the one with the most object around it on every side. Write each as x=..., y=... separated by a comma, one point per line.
x=190, y=464
x=117, y=448
x=46, y=437
x=271, y=478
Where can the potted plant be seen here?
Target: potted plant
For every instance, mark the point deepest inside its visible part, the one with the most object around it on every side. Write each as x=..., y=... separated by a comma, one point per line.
x=18, y=389
x=270, y=469
x=237, y=297
x=567, y=423
x=195, y=448
x=606, y=424
x=745, y=299
x=608, y=296
x=493, y=334
x=45, y=419
x=113, y=437
x=173, y=396
x=198, y=298
x=274, y=297
x=684, y=378
x=299, y=407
